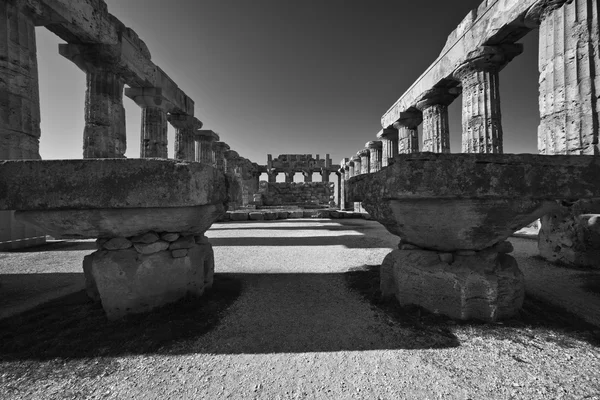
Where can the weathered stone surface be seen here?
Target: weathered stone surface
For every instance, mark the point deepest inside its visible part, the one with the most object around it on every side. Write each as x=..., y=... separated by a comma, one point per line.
x=571, y=234
x=309, y=213
x=469, y=288
x=148, y=237
x=121, y=222
x=117, y=183
x=282, y=214
x=179, y=253
x=296, y=214
x=151, y=248
x=118, y=243
x=334, y=214
x=270, y=215
x=185, y=128
x=169, y=236
x=256, y=216
x=239, y=216
x=448, y=201
x=184, y=242
x=127, y=282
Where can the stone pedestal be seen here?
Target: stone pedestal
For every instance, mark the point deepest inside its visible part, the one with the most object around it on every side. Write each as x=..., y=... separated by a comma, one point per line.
x=104, y=135
x=408, y=134
x=479, y=76
x=205, y=153
x=486, y=285
x=138, y=274
x=389, y=145
x=185, y=131
x=153, y=138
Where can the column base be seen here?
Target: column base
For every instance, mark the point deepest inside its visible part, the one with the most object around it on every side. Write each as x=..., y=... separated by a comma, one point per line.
x=138, y=274
x=486, y=285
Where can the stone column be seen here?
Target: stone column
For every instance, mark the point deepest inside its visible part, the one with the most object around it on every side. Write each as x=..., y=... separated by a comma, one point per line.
x=185, y=130
x=343, y=178
x=569, y=65
x=350, y=173
x=307, y=176
x=220, y=148
x=408, y=133
x=375, y=148
x=272, y=176
x=324, y=174
x=481, y=119
x=289, y=176
x=365, y=162
x=389, y=145
x=436, y=128
x=204, y=146
x=153, y=138
x=356, y=167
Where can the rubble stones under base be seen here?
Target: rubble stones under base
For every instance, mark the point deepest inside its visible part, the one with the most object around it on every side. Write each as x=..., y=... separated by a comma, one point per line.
x=129, y=282
x=485, y=286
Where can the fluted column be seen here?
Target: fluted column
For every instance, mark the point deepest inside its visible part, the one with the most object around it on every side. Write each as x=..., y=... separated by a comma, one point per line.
x=408, y=133
x=344, y=172
x=339, y=174
x=481, y=115
x=365, y=161
x=204, y=146
x=185, y=130
x=324, y=174
x=356, y=166
x=389, y=145
x=436, y=127
x=374, y=148
x=569, y=65
x=19, y=87
x=153, y=138
x=220, y=148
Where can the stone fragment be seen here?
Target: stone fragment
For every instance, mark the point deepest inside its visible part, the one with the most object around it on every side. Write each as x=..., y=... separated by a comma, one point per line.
x=239, y=216
x=118, y=243
x=282, y=215
x=169, y=236
x=226, y=216
x=100, y=242
x=471, y=288
x=270, y=215
x=309, y=214
x=152, y=247
x=179, y=253
x=296, y=214
x=256, y=216
x=334, y=214
x=408, y=246
x=201, y=239
x=146, y=238
x=184, y=242
x=448, y=258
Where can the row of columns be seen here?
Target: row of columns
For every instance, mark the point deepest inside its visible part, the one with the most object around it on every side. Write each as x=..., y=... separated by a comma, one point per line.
x=289, y=175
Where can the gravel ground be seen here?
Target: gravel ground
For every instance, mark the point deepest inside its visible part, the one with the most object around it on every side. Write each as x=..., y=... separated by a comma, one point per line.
x=299, y=331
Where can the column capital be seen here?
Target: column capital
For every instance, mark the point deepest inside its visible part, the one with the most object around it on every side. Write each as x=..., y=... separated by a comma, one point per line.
x=374, y=144
x=182, y=121
x=149, y=97
x=206, y=135
x=231, y=154
x=356, y=158
x=487, y=58
x=350, y=163
x=539, y=11
x=443, y=96
x=221, y=146
x=409, y=119
x=388, y=134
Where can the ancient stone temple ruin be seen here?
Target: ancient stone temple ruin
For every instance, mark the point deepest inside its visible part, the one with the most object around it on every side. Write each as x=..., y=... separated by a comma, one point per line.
x=452, y=212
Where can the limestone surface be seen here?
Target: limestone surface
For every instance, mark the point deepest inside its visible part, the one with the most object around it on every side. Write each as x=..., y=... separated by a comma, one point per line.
x=486, y=287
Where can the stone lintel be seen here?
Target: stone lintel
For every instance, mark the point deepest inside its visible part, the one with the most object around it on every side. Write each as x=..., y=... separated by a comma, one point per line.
x=374, y=144
x=207, y=135
x=149, y=97
x=540, y=10
x=182, y=121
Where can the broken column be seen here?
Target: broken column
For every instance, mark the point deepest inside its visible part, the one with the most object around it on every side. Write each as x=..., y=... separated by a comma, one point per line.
x=185, y=131
x=408, y=133
x=153, y=138
x=389, y=145
x=374, y=148
x=481, y=118
x=436, y=128
x=204, y=146
x=569, y=66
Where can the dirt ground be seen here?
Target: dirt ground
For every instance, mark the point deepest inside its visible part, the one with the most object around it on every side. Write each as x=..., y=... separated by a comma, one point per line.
x=294, y=314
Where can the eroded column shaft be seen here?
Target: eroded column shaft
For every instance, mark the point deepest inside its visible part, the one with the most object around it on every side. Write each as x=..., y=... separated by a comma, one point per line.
x=389, y=145
x=436, y=129
x=204, y=151
x=153, y=141
x=408, y=140
x=569, y=62
x=365, y=162
x=19, y=88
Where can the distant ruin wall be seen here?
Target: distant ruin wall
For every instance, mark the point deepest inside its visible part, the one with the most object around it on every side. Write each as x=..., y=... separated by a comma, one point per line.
x=298, y=193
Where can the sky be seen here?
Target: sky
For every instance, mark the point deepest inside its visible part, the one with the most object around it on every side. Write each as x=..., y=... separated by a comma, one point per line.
x=286, y=77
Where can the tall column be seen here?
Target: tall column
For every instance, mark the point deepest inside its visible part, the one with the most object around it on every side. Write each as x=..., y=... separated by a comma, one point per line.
x=339, y=174
x=185, y=130
x=220, y=148
x=408, y=133
x=436, y=127
x=389, y=145
x=289, y=176
x=153, y=138
x=365, y=162
x=481, y=118
x=19, y=95
x=356, y=166
x=324, y=174
x=19, y=109
x=272, y=176
x=205, y=153
x=307, y=176
x=344, y=172
x=374, y=148
x=569, y=65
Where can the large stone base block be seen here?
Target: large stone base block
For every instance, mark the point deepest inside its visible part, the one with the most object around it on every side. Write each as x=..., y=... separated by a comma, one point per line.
x=485, y=286
x=127, y=282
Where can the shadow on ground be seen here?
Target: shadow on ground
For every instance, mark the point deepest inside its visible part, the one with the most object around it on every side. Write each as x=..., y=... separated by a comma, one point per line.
x=349, y=241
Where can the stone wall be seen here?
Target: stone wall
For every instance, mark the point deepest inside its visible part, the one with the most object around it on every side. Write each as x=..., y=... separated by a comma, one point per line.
x=299, y=193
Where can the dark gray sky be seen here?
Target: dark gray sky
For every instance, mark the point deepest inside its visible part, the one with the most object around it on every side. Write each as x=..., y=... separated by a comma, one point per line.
x=281, y=77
